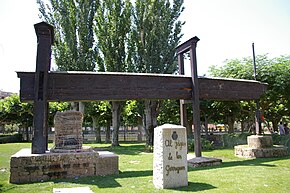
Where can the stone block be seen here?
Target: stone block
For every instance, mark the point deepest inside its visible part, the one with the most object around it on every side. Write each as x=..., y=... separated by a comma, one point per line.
x=107, y=163
x=258, y=141
x=249, y=152
x=68, y=130
x=203, y=161
x=170, y=157
x=49, y=166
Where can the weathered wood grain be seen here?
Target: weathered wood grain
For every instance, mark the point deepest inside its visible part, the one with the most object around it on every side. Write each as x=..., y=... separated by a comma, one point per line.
x=85, y=86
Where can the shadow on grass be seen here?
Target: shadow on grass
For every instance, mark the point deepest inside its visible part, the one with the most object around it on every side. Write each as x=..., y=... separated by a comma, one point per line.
x=111, y=182
x=195, y=187
x=6, y=187
x=107, y=181
x=124, y=150
x=248, y=162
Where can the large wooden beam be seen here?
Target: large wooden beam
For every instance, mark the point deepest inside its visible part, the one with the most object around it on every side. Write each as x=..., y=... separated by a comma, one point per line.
x=85, y=86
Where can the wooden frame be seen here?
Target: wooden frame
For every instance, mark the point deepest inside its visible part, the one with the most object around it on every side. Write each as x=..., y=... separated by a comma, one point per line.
x=43, y=86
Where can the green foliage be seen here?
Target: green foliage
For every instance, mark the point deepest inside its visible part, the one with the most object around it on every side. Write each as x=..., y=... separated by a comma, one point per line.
x=132, y=113
x=155, y=33
x=12, y=111
x=169, y=112
x=112, y=25
x=275, y=103
x=11, y=138
x=55, y=107
x=74, y=36
x=281, y=140
x=231, y=140
x=149, y=148
x=205, y=144
x=100, y=110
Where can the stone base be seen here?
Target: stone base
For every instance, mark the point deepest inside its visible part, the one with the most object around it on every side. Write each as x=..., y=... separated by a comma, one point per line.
x=260, y=146
x=249, y=152
x=259, y=141
x=196, y=162
x=83, y=149
x=27, y=168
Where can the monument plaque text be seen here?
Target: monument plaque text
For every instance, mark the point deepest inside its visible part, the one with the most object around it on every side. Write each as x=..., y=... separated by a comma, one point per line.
x=170, y=157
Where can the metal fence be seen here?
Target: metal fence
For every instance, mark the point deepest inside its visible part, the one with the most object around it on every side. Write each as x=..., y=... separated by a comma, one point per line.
x=123, y=136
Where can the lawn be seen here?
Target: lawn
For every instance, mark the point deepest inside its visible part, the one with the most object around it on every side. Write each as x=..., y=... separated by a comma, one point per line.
x=233, y=175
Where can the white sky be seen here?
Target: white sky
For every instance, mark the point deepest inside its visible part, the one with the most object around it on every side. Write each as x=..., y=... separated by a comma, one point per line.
x=226, y=29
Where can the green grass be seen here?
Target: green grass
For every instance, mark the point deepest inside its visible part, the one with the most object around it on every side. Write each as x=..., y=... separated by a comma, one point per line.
x=234, y=175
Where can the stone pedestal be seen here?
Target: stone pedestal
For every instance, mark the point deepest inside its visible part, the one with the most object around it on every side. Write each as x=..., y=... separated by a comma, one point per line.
x=68, y=158
x=259, y=141
x=259, y=147
x=197, y=162
x=170, y=157
x=27, y=168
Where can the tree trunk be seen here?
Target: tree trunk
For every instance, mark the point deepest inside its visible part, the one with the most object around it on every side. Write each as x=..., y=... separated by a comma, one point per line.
x=116, y=113
x=97, y=130
x=206, y=127
x=27, y=132
x=231, y=122
x=150, y=120
x=140, y=126
x=82, y=107
x=108, y=132
x=242, y=126
x=275, y=125
x=74, y=106
x=189, y=129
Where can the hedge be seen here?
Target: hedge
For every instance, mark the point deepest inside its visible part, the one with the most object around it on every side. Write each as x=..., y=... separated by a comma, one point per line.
x=11, y=138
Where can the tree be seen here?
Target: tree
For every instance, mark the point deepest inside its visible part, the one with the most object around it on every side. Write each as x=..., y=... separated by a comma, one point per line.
x=275, y=103
x=154, y=36
x=100, y=113
x=111, y=29
x=74, y=47
x=169, y=112
x=54, y=107
x=12, y=111
x=73, y=21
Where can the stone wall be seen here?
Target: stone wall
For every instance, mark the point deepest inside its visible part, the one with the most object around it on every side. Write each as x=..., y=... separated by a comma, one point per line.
x=26, y=167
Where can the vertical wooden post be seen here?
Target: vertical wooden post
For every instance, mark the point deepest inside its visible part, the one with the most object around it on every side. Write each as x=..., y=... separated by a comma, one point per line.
x=183, y=114
x=195, y=99
x=190, y=46
x=44, y=34
x=258, y=113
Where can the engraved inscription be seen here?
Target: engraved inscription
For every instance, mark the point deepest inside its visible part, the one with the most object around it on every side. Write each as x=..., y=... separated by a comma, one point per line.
x=178, y=156
x=169, y=169
x=169, y=156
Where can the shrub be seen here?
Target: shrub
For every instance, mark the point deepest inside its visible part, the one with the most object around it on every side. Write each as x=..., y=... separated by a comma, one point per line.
x=281, y=140
x=11, y=138
x=205, y=144
x=233, y=139
x=149, y=148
